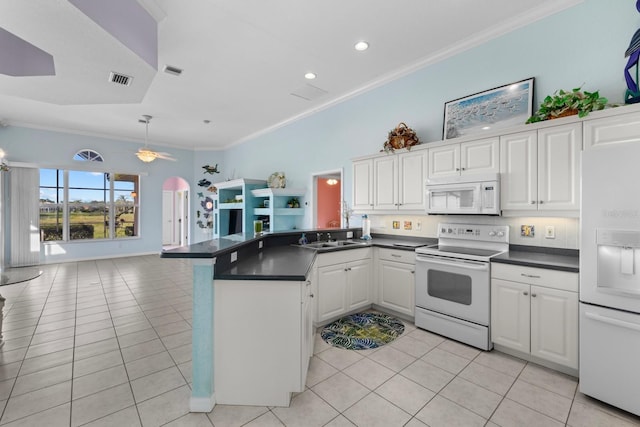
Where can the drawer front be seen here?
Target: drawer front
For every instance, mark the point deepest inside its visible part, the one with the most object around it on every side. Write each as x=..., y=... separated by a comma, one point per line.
x=408, y=257
x=342, y=256
x=555, y=279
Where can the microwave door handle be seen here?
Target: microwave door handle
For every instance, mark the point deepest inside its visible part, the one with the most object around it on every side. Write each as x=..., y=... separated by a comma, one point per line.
x=469, y=265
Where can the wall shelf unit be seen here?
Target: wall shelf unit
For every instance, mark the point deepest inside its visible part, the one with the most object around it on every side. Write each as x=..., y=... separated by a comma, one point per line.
x=233, y=211
x=271, y=207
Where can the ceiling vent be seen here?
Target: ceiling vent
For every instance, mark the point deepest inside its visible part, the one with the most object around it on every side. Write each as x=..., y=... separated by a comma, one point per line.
x=309, y=92
x=120, y=79
x=172, y=70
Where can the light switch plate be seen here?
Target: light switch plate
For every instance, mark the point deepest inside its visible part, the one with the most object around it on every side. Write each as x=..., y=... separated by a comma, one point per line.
x=234, y=256
x=349, y=234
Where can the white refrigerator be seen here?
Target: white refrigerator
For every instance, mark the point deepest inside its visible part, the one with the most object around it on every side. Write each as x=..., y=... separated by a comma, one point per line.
x=610, y=275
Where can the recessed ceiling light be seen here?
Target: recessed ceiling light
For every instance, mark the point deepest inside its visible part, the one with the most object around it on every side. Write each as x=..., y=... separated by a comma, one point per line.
x=310, y=76
x=206, y=121
x=361, y=45
x=170, y=69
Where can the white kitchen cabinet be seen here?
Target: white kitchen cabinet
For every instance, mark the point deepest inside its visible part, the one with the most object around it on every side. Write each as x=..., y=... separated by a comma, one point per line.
x=390, y=182
x=540, y=170
x=396, y=280
x=481, y=156
x=617, y=129
x=535, y=311
x=252, y=364
x=344, y=283
x=362, y=185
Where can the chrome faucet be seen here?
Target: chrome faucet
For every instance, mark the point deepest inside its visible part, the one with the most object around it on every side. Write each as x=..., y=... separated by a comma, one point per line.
x=328, y=237
x=318, y=236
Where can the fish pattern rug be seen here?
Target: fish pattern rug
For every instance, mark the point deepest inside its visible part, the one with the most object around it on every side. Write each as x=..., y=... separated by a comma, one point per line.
x=362, y=331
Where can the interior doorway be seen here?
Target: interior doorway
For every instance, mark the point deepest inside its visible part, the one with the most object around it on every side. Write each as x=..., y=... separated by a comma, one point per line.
x=327, y=196
x=175, y=212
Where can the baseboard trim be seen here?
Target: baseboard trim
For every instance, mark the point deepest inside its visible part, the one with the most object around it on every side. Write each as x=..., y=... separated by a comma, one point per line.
x=202, y=404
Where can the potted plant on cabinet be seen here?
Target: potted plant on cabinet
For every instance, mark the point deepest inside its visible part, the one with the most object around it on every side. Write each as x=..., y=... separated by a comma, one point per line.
x=566, y=103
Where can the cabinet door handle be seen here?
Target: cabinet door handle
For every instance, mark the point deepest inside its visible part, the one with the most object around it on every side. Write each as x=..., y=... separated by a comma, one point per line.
x=310, y=295
x=541, y=201
x=395, y=255
x=533, y=202
x=464, y=169
x=413, y=272
x=533, y=295
x=525, y=293
x=457, y=169
x=533, y=276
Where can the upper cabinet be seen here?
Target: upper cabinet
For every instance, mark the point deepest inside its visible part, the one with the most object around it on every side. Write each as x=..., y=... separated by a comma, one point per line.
x=481, y=156
x=617, y=129
x=392, y=182
x=540, y=170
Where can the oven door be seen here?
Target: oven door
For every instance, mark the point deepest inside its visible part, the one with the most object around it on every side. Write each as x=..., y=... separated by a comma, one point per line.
x=454, y=287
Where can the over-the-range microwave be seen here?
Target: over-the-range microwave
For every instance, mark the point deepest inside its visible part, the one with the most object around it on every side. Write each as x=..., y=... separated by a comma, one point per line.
x=465, y=195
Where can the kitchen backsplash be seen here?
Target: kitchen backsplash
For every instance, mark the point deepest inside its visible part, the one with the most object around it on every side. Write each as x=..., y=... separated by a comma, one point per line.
x=533, y=231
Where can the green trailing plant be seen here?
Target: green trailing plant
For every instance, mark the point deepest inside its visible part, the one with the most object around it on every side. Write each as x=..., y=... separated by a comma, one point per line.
x=563, y=103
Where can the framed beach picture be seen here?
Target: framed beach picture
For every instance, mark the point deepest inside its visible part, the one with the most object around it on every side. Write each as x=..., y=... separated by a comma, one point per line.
x=501, y=107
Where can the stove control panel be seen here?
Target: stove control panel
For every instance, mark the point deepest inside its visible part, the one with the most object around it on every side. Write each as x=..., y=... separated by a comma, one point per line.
x=478, y=232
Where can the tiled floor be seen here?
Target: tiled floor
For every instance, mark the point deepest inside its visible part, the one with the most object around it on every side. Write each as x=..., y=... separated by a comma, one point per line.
x=108, y=343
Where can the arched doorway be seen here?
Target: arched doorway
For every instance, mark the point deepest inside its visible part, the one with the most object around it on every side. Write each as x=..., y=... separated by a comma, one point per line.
x=175, y=212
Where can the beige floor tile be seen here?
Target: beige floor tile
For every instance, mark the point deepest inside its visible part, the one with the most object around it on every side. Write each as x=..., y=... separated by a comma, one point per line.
x=16, y=343
x=9, y=370
x=98, y=381
x=105, y=315
x=11, y=356
x=129, y=328
x=41, y=379
x=96, y=336
x=172, y=328
x=143, y=349
x=460, y=349
x=427, y=337
x=587, y=415
x=181, y=354
x=191, y=420
x=5, y=388
x=414, y=422
x=450, y=362
x=340, y=391
x=319, y=370
x=136, y=338
x=148, y=365
x=392, y=358
x=55, y=417
x=488, y=378
x=473, y=397
x=441, y=412
x=306, y=409
x=369, y=373
x=265, y=420
x=235, y=416
x=554, y=381
x=85, y=328
x=37, y=401
x=405, y=394
x=166, y=407
x=97, y=363
x=412, y=346
x=127, y=417
x=428, y=376
x=374, y=411
x=339, y=358
x=50, y=360
x=541, y=400
x=339, y=421
x=177, y=340
x=157, y=383
x=501, y=362
x=96, y=348
x=186, y=369
x=512, y=414
x=101, y=404
x=50, y=336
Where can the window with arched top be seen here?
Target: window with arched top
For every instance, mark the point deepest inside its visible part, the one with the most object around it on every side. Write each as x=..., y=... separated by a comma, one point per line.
x=87, y=155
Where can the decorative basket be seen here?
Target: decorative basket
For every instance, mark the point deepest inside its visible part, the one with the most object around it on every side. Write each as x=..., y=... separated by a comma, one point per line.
x=400, y=137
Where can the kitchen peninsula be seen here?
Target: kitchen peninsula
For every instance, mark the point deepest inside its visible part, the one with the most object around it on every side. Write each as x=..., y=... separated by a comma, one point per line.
x=262, y=284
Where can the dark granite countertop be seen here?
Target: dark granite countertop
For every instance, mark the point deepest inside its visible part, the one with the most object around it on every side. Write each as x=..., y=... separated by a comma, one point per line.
x=274, y=263
x=549, y=258
x=279, y=258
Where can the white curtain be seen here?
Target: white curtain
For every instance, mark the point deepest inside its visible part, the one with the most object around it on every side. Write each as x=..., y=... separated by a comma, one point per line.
x=25, y=216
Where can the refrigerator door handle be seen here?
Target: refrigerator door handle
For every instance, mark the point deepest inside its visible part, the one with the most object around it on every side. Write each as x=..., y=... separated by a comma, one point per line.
x=611, y=321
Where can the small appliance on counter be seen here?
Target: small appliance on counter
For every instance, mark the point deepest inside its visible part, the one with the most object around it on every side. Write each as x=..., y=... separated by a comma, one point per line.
x=366, y=227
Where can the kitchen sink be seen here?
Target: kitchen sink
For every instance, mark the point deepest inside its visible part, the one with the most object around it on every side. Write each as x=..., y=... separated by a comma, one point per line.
x=332, y=244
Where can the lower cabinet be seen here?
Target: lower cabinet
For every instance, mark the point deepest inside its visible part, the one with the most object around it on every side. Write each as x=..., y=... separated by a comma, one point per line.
x=535, y=311
x=344, y=279
x=263, y=340
x=396, y=280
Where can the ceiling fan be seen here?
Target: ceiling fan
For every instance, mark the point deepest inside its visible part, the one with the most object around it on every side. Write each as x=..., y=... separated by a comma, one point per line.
x=144, y=153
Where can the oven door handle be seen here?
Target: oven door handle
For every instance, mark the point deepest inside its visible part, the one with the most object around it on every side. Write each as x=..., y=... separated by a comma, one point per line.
x=470, y=265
